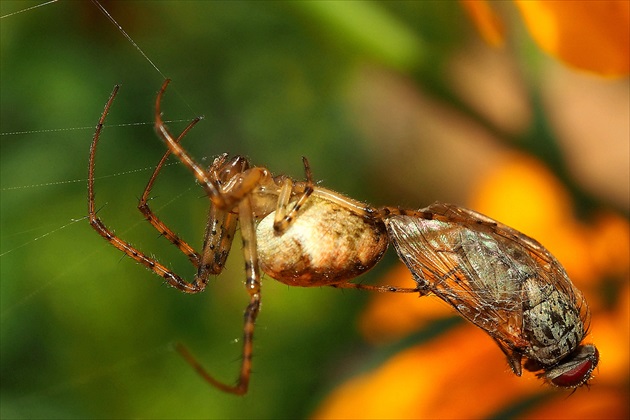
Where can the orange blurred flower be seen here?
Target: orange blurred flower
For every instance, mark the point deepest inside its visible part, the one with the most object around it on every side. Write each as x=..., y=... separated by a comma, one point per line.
x=461, y=373
x=589, y=35
x=431, y=381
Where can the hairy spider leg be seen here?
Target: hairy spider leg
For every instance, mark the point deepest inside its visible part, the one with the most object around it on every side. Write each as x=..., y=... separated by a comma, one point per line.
x=228, y=196
x=235, y=192
x=253, y=287
x=217, y=243
x=211, y=186
x=284, y=216
x=155, y=221
x=219, y=230
x=98, y=225
x=218, y=239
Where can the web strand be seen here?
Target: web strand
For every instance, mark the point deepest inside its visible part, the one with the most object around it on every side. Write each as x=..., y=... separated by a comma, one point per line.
x=120, y=28
x=28, y=9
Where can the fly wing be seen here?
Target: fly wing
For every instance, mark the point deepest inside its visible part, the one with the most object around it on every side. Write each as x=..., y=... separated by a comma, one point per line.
x=469, y=270
x=549, y=272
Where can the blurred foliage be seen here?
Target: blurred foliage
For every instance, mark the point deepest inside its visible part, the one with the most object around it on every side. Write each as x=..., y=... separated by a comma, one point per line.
x=86, y=333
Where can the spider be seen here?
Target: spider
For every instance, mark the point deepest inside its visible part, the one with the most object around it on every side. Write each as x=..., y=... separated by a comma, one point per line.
x=294, y=231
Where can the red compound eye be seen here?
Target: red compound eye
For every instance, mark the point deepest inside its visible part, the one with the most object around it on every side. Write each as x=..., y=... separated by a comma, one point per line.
x=579, y=374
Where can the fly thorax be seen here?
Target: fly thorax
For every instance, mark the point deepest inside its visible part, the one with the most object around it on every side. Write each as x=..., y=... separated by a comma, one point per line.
x=551, y=323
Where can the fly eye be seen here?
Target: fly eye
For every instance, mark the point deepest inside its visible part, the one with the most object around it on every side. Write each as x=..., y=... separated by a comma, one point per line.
x=575, y=376
x=579, y=371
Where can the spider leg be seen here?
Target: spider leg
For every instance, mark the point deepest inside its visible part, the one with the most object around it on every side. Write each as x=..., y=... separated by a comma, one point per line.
x=217, y=243
x=284, y=217
x=96, y=223
x=252, y=284
x=381, y=214
x=384, y=212
x=211, y=186
x=376, y=288
x=224, y=197
x=152, y=218
x=218, y=234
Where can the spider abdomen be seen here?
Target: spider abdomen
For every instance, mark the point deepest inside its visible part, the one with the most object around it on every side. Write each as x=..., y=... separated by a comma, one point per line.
x=326, y=244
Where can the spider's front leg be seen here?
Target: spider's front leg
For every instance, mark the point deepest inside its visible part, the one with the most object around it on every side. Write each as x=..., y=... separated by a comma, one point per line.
x=219, y=231
x=98, y=225
x=152, y=218
x=207, y=181
x=225, y=190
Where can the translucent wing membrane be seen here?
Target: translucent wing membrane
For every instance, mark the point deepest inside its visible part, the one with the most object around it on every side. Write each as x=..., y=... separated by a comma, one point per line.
x=504, y=282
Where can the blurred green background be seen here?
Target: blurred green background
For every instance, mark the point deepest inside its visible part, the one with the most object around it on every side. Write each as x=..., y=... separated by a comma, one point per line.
x=86, y=333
